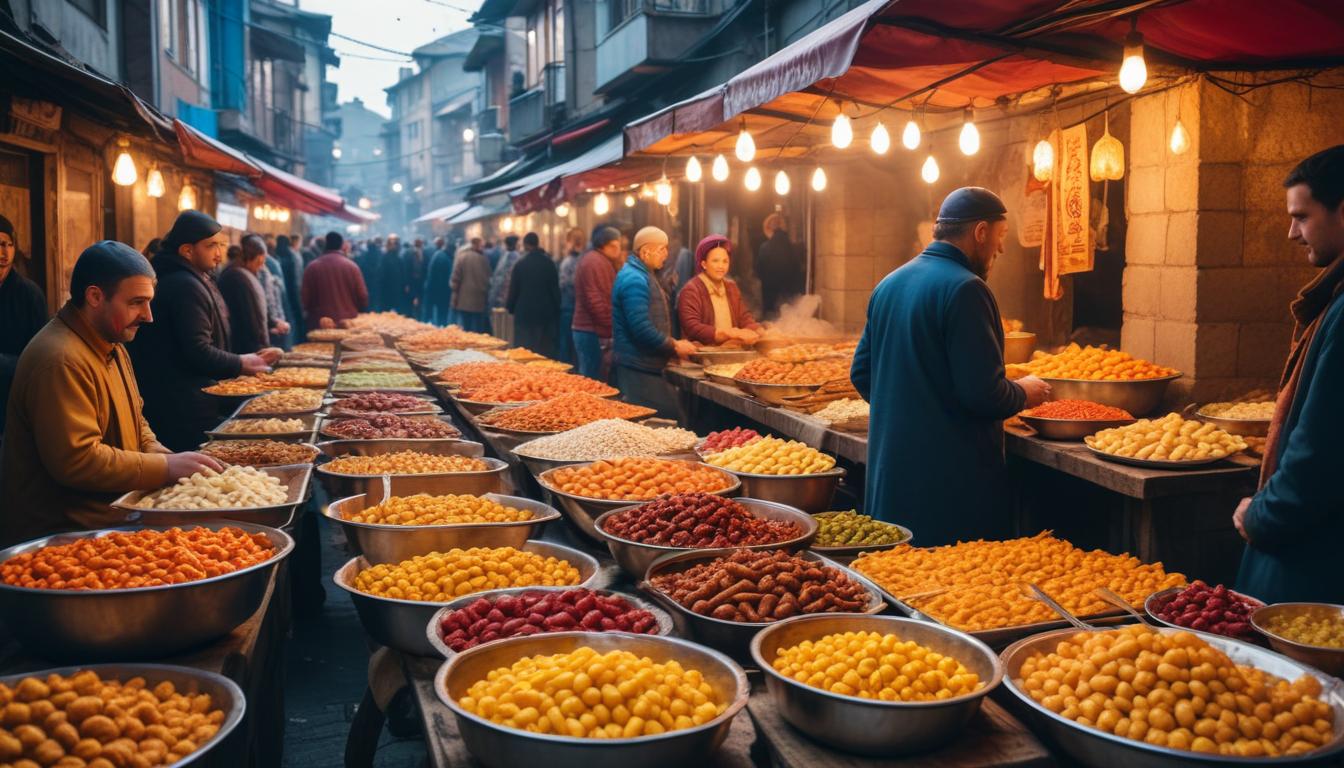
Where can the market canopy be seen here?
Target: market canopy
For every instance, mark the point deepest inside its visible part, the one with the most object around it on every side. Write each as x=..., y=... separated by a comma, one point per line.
x=203, y=151
x=547, y=187
x=478, y=212
x=444, y=213
x=298, y=193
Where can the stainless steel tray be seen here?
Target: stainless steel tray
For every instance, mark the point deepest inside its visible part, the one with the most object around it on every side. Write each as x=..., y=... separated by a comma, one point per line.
x=328, y=419
x=303, y=435
x=295, y=476
x=342, y=485
x=1175, y=466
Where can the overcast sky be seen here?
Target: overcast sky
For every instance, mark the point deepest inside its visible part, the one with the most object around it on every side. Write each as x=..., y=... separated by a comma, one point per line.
x=398, y=25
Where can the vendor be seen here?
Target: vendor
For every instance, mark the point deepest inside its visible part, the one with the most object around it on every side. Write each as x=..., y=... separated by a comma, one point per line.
x=641, y=322
x=710, y=305
x=76, y=437
x=23, y=312
x=930, y=363
x=1294, y=523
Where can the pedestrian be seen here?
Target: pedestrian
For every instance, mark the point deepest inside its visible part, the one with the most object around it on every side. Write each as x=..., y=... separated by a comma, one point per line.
x=470, y=281
x=370, y=263
x=593, y=279
x=1293, y=524
x=930, y=363
x=186, y=348
x=685, y=262
x=438, y=292
x=316, y=247
x=641, y=322
x=710, y=306
x=291, y=266
x=414, y=260
x=499, y=277
x=273, y=288
x=779, y=266
x=534, y=298
x=333, y=286
x=243, y=295
x=23, y=312
x=569, y=265
x=151, y=248
x=392, y=277
x=492, y=252
x=77, y=438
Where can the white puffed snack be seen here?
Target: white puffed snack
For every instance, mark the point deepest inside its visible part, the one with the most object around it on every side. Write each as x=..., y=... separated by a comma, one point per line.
x=235, y=487
x=842, y=410
x=262, y=426
x=609, y=439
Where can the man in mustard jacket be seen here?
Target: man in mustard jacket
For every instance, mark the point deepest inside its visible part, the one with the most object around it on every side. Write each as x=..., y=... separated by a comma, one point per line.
x=76, y=438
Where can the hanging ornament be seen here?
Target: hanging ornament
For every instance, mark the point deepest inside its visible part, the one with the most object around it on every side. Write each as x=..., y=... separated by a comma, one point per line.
x=819, y=180
x=746, y=148
x=629, y=201
x=929, y=171
x=910, y=136
x=842, y=133
x=753, y=179
x=719, y=169
x=880, y=141
x=662, y=191
x=1043, y=160
x=969, y=140
x=1108, y=156
x=693, y=170
x=1133, y=69
x=562, y=210
x=782, y=183
x=123, y=170
x=186, y=199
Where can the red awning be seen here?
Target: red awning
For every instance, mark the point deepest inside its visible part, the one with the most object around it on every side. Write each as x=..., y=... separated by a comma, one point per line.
x=300, y=194
x=203, y=151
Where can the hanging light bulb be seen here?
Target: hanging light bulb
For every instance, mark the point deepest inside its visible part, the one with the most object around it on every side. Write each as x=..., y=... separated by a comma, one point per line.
x=1108, y=156
x=468, y=134
x=969, y=140
x=753, y=179
x=842, y=133
x=662, y=191
x=365, y=203
x=123, y=171
x=259, y=212
x=186, y=200
x=745, y=148
x=910, y=136
x=1043, y=160
x=629, y=201
x=693, y=170
x=601, y=204
x=336, y=153
x=645, y=190
x=819, y=180
x=929, y=171
x=880, y=140
x=1180, y=138
x=782, y=183
x=719, y=169
x=283, y=215
x=1133, y=69
x=154, y=186
x=562, y=210
x=397, y=187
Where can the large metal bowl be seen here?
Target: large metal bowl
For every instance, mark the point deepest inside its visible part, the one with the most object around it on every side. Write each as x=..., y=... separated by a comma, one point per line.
x=1329, y=660
x=871, y=726
x=582, y=511
x=1071, y=429
x=305, y=434
x=1154, y=603
x=1140, y=397
x=635, y=557
x=665, y=625
x=143, y=623
x=400, y=624
x=1241, y=427
x=296, y=478
x=327, y=421
x=846, y=554
x=225, y=695
x=395, y=543
x=430, y=408
x=810, y=493
x=1099, y=749
x=499, y=746
x=731, y=637
x=477, y=483
x=709, y=357
x=776, y=394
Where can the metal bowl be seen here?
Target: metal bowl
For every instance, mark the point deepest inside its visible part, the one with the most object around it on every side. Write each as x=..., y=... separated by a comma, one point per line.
x=768, y=344
x=142, y=623
x=1018, y=346
x=1154, y=603
x=238, y=412
x=724, y=356
x=1176, y=466
x=848, y=553
x=225, y=695
x=312, y=448
x=665, y=625
x=322, y=427
x=810, y=493
x=296, y=478
x=476, y=483
x=1096, y=748
x=297, y=436
x=1329, y=660
x=719, y=378
x=1241, y=427
x=776, y=394
x=430, y=408
x=636, y=557
x=1140, y=397
x=400, y=624
x=477, y=407
x=582, y=511
x=731, y=637
x=394, y=543
x=499, y=746
x=871, y=726
x=1071, y=429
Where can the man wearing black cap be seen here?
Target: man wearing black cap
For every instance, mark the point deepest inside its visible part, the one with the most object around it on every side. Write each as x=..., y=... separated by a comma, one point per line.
x=23, y=311
x=187, y=347
x=930, y=363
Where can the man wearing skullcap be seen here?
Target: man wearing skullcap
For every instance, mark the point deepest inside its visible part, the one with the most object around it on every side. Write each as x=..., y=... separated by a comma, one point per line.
x=187, y=347
x=23, y=311
x=76, y=437
x=641, y=322
x=930, y=363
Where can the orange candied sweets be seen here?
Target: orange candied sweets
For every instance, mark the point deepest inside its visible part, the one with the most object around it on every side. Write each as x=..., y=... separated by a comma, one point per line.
x=636, y=479
x=1082, y=410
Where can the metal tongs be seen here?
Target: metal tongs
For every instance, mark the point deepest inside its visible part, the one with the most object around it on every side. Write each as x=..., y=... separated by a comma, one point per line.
x=1039, y=594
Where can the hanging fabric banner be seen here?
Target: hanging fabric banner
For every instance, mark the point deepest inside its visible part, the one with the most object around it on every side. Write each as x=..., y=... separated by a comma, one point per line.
x=1073, y=232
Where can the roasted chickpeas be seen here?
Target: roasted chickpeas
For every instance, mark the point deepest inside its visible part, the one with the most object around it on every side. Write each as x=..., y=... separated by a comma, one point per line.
x=444, y=576
x=873, y=665
x=423, y=509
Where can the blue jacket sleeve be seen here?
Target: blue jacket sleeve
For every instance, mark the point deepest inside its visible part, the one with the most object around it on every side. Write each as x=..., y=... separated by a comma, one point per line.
x=861, y=370
x=634, y=307
x=976, y=354
x=1304, y=491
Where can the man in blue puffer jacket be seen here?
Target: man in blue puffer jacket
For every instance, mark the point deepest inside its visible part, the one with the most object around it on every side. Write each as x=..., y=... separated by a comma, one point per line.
x=641, y=322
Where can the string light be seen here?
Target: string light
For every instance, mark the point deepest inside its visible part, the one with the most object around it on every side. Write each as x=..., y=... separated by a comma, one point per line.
x=819, y=180
x=662, y=191
x=842, y=133
x=154, y=186
x=186, y=199
x=746, y=148
x=601, y=204
x=719, y=170
x=1180, y=138
x=629, y=201
x=123, y=171
x=929, y=171
x=336, y=153
x=969, y=140
x=880, y=140
x=506, y=224
x=1133, y=69
x=693, y=170
x=753, y=179
x=910, y=136
x=562, y=210
x=468, y=134
x=782, y=183
x=1043, y=160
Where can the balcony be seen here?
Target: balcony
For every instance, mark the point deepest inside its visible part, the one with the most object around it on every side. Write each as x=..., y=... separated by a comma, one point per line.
x=648, y=36
x=527, y=115
x=487, y=121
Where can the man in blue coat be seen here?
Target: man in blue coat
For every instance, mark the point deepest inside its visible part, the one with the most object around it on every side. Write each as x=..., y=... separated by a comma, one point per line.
x=1294, y=524
x=930, y=363
x=641, y=324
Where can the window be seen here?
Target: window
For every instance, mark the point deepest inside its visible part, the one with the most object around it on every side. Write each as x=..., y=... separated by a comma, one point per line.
x=536, y=36
x=94, y=9
x=558, y=32
x=182, y=33
x=545, y=39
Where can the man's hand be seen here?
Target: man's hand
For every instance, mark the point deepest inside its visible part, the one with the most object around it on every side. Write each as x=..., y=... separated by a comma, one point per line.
x=271, y=355
x=1239, y=517
x=282, y=327
x=326, y=322
x=744, y=335
x=1037, y=390
x=186, y=464
x=683, y=348
x=255, y=364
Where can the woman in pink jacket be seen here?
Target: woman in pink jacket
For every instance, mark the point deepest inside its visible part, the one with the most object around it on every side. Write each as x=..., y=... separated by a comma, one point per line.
x=710, y=305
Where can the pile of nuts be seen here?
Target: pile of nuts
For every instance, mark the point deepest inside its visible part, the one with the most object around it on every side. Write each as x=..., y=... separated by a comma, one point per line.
x=873, y=665
x=404, y=463
x=538, y=384
x=451, y=509
x=1170, y=438
x=87, y=720
x=1261, y=411
x=531, y=613
x=284, y=401
x=384, y=426
x=763, y=370
x=261, y=426
x=376, y=380
x=842, y=410
x=444, y=576
x=754, y=586
x=455, y=357
x=1210, y=609
x=609, y=439
x=1090, y=363
x=380, y=353
x=637, y=479
x=1320, y=627
x=1079, y=410
x=562, y=413
x=366, y=403
x=389, y=322
x=697, y=521
x=260, y=453
x=134, y=559
x=728, y=438
x=773, y=456
x=240, y=385
x=850, y=529
x=361, y=341
x=234, y=488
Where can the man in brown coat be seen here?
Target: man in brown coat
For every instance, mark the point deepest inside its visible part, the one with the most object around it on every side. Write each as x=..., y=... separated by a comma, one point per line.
x=76, y=437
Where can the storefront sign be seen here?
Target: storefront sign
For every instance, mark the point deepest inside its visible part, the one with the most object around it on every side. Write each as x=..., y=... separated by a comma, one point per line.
x=1073, y=233
x=230, y=215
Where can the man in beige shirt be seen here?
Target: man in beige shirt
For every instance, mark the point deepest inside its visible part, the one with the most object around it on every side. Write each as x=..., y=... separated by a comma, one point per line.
x=76, y=438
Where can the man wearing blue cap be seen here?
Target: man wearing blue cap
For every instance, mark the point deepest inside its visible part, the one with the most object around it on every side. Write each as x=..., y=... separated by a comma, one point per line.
x=931, y=365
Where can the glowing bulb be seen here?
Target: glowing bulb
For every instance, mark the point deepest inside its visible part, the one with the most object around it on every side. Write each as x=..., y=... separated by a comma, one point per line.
x=397, y=186
x=693, y=170
x=1108, y=158
x=259, y=213
x=601, y=204
x=929, y=171
x=969, y=140
x=154, y=183
x=880, y=141
x=283, y=215
x=662, y=191
x=1043, y=160
x=746, y=148
x=842, y=133
x=1180, y=138
x=336, y=153
x=506, y=224
x=645, y=190
x=753, y=179
x=782, y=183
x=910, y=136
x=629, y=201
x=186, y=200
x=719, y=169
x=123, y=171
x=365, y=203
x=562, y=210
x=1133, y=69
x=819, y=180
x=468, y=134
